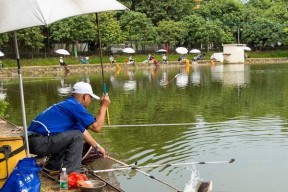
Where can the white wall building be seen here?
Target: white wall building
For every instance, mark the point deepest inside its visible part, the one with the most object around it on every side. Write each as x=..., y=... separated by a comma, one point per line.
x=234, y=53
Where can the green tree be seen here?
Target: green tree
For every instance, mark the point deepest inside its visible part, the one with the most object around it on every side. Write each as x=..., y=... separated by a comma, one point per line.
x=210, y=34
x=277, y=12
x=285, y=34
x=192, y=24
x=172, y=32
x=110, y=30
x=4, y=38
x=138, y=28
x=229, y=12
x=165, y=10
x=131, y=4
x=30, y=39
x=263, y=32
x=260, y=4
x=70, y=30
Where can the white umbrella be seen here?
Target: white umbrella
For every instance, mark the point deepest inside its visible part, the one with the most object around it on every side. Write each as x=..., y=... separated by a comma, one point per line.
x=181, y=50
x=62, y=52
x=21, y=14
x=128, y=50
x=161, y=51
x=1, y=54
x=195, y=51
x=247, y=48
x=217, y=57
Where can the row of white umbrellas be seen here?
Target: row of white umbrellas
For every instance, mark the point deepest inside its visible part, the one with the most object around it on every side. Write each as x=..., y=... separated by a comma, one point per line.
x=180, y=50
x=183, y=50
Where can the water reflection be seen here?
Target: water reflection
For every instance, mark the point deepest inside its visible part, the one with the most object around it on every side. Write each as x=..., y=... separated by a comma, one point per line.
x=64, y=89
x=3, y=93
x=85, y=77
x=196, y=76
x=231, y=74
x=217, y=73
x=164, y=79
x=182, y=78
x=130, y=84
x=204, y=119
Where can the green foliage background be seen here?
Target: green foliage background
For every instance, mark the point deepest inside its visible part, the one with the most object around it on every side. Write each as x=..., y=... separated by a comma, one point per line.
x=202, y=24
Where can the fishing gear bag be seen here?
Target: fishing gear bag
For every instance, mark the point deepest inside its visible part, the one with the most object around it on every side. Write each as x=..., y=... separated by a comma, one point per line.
x=12, y=150
x=24, y=177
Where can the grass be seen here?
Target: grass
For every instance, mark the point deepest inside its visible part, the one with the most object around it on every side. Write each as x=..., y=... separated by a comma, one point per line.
x=70, y=60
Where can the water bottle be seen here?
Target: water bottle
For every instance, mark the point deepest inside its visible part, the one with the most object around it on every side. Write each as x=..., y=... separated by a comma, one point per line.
x=63, y=180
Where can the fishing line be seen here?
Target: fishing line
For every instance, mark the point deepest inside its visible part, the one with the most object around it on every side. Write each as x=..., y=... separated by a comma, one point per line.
x=152, y=125
x=136, y=167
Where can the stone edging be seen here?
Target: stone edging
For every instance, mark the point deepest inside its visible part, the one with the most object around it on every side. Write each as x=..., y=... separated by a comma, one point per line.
x=55, y=69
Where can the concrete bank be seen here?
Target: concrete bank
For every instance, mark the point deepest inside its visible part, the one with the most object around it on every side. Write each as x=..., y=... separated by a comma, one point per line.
x=93, y=68
x=96, y=68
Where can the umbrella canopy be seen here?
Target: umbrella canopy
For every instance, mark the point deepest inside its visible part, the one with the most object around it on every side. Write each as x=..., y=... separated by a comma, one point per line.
x=247, y=48
x=128, y=50
x=20, y=14
x=217, y=57
x=181, y=50
x=1, y=54
x=195, y=51
x=161, y=51
x=62, y=52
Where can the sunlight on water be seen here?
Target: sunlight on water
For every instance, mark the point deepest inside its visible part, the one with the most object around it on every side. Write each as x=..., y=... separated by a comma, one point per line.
x=176, y=115
x=192, y=183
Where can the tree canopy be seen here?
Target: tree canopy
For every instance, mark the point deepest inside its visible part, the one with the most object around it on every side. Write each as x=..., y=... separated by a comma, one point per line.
x=201, y=24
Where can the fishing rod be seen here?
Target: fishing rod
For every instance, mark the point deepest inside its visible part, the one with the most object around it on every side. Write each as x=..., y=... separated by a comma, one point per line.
x=144, y=173
x=101, y=61
x=135, y=167
x=100, y=178
x=173, y=78
x=153, y=125
x=107, y=183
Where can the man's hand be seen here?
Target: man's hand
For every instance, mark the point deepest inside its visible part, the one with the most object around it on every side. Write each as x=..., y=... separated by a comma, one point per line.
x=105, y=100
x=101, y=150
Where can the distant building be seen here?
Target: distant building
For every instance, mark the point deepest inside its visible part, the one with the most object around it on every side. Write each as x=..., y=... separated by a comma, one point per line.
x=234, y=53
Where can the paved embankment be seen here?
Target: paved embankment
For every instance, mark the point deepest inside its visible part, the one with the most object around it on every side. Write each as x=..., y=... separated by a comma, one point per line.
x=55, y=69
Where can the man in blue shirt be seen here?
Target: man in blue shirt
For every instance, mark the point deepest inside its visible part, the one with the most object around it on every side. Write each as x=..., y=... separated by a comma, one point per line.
x=60, y=129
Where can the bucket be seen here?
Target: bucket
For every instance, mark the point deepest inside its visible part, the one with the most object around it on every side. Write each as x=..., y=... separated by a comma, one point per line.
x=95, y=186
x=11, y=151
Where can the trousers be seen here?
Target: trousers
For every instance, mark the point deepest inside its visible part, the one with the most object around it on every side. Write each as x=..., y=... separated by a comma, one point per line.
x=65, y=149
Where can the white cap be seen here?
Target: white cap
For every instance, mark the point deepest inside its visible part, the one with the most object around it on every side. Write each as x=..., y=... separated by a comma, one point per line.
x=84, y=88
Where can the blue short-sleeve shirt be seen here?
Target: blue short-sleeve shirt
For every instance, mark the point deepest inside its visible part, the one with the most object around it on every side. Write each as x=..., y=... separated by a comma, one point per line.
x=66, y=115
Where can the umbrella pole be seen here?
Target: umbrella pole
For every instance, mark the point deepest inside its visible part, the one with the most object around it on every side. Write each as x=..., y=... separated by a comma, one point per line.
x=101, y=61
x=21, y=93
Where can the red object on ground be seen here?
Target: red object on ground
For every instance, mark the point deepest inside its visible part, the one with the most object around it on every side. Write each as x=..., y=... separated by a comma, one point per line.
x=73, y=179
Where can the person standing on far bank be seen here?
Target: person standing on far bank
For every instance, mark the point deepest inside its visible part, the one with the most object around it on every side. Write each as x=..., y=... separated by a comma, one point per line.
x=60, y=129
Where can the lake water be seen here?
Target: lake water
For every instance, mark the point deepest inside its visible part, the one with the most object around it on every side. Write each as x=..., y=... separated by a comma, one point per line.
x=184, y=114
